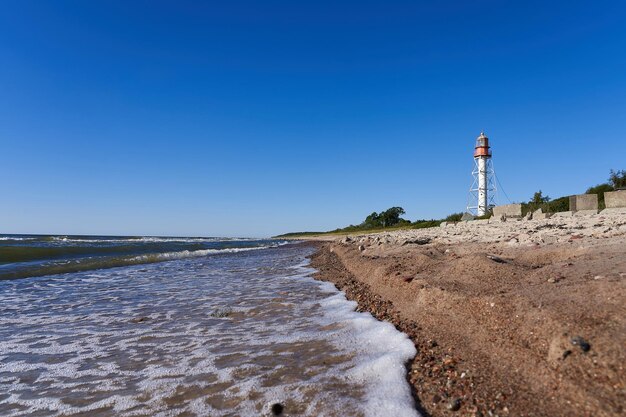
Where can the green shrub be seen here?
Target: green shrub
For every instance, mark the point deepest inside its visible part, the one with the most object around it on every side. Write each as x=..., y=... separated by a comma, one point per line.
x=454, y=217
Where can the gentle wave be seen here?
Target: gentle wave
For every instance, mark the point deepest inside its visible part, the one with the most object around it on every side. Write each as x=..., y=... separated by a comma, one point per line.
x=10, y=254
x=142, y=239
x=71, y=344
x=158, y=257
x=105, y=262
x=116, y=239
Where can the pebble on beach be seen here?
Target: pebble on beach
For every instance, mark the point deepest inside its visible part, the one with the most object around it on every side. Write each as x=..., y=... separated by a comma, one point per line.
x=454, y=404
x=581, y=343
x=277, y=409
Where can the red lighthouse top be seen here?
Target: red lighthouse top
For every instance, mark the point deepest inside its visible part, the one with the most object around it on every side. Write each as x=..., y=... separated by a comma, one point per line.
x=482, y=146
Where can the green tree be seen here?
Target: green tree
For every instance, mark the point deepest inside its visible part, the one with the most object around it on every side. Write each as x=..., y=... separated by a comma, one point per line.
x=388, y=218
x=391, y=216
x=454, y=217
x=372, y=221
x=539, y=199
x=617, y=179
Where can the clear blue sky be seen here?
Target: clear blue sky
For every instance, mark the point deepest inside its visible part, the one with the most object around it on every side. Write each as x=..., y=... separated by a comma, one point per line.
x=255, y=118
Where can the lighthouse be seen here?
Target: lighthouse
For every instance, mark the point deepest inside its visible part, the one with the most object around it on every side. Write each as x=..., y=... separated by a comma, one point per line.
x=482, y=191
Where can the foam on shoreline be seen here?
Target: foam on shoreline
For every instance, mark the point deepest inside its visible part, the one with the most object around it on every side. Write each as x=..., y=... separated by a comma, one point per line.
x=69, y=344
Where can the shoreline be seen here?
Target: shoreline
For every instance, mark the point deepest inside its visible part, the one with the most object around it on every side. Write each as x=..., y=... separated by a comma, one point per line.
x=510, y=319
x=330, y=269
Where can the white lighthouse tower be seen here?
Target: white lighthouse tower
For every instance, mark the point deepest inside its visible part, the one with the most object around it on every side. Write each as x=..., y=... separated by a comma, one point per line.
x=483, y=190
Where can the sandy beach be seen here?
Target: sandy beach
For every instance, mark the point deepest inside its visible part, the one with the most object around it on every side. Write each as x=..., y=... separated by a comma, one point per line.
x=515, y=318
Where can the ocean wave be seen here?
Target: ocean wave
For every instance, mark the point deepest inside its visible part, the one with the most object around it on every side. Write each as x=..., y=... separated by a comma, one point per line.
x=158, y=257
x=21, y=253
x=105, y=262
x=118, y=239
x=139, y=239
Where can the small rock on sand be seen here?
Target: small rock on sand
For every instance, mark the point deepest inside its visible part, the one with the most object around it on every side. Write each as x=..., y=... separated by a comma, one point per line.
x=454, y=404
x=277, y=409
x=418, y=241
x=581, y=343
x=496, y=259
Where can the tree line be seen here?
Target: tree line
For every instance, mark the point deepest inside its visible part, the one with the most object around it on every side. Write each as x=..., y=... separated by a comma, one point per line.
x=391, y=218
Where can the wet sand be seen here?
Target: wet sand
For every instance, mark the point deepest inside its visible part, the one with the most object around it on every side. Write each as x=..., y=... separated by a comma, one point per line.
x=522, y=318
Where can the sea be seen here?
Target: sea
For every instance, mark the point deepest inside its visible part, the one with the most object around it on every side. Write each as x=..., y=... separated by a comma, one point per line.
x=187, y=326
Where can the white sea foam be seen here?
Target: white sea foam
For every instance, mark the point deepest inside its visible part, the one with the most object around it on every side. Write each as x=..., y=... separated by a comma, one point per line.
x=74, y=333
x=382, y=354
x=193, y=253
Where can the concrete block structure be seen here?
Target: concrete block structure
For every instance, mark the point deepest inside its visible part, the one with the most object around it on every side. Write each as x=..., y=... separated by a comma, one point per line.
x=587, y=203
x=508, y=211
x=615, y=199
x=614, y=210
x=467, y=217
x=540, y=215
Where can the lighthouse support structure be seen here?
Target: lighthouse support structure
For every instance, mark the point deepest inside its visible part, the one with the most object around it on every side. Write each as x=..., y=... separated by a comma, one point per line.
x=482, y=193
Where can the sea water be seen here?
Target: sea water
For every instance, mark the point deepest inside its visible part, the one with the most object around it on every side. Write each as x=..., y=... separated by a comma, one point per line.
x=229, y=333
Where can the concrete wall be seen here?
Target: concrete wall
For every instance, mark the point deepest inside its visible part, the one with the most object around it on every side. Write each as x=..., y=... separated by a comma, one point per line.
x=540, y=215
x=508, y=210
x=615, y=199
x=583, y=202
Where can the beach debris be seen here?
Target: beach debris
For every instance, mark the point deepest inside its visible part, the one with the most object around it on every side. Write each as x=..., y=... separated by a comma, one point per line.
x=139, y=319
x=581, y=343
x=496, y=259
x=552, y=280
x=277, y=409
x=454, y=404
x=346, y=239
x=361, y=248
